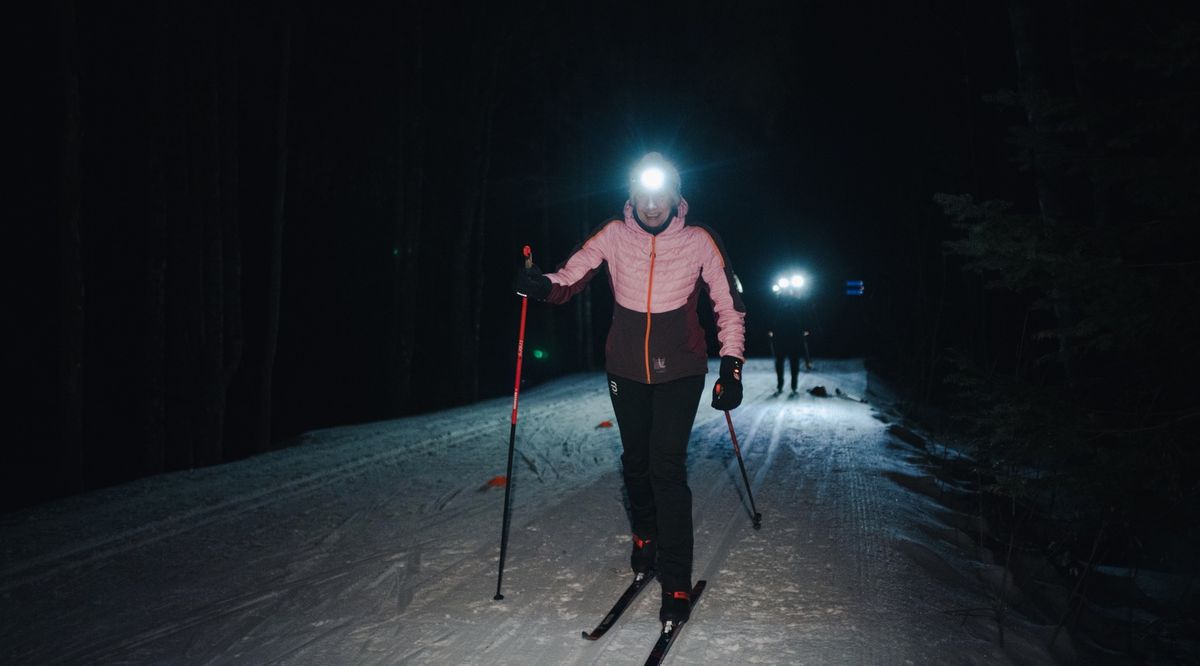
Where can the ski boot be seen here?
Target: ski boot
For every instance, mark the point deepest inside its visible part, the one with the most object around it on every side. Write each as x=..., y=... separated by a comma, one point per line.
x=641, y=560
x=676, y=607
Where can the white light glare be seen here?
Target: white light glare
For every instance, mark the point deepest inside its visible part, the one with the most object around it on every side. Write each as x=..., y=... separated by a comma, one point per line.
x=797, y=281
x=782, y=284
x=775, y=288
x=653, y=178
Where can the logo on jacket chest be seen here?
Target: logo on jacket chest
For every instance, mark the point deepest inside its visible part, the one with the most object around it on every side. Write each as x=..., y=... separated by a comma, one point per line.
x=660, y=364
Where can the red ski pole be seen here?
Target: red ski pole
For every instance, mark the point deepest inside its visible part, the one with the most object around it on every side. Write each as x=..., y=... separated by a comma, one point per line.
x=756, y=519
x=512, y=431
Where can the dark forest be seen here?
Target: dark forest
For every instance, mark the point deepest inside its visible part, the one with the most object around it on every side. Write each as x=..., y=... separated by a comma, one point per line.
x=233, y=223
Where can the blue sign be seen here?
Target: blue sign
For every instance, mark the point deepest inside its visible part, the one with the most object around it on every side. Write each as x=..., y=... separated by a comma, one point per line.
x=855, y=287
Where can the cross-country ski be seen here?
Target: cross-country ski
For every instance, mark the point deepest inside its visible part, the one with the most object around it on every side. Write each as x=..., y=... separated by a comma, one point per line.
x=639, y=582
x=670, y=631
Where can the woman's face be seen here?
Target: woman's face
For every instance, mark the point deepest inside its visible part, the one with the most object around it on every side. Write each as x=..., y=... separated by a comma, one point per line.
x=653, y=208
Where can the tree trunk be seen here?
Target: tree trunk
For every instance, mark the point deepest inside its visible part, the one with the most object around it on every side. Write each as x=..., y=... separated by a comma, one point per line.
x=1088, y=104
x=185, y=263
x=547, y=322
x=467, y=287
x=208, y=183
x=153, y=401
x=71, y=326
x=587, y=339
x=408, y=217
x=275, y=249
x=230, y=203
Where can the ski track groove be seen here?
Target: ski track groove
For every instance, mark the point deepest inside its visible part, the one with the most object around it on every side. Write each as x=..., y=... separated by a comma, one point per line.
x=100, y=548
x=403, y=593
x=281, y=590
x=710, y=431
x=547, y=404
x=713, y=505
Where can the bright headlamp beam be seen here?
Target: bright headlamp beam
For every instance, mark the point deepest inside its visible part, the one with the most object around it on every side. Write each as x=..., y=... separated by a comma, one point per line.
x=783, y=283
x=797, y=281
x=653, y=178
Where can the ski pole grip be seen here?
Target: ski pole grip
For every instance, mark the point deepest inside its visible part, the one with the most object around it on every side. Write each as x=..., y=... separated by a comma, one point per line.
x=528, y=252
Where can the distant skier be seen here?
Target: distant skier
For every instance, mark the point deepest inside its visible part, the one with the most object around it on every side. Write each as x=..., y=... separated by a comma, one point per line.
x=656, y=356
x=789, y=334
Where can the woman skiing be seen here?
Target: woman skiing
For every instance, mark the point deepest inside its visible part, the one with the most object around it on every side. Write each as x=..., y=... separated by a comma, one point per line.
x=656, y=356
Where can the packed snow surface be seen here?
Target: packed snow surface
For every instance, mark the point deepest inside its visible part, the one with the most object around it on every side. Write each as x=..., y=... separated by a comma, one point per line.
x=379, y=543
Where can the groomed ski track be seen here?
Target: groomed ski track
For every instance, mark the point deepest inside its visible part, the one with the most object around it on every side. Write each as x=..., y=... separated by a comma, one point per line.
x=378, y=544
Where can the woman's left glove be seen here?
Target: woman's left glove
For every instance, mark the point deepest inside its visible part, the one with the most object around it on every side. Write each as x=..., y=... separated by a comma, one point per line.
x=727, y=392
x=531, y=282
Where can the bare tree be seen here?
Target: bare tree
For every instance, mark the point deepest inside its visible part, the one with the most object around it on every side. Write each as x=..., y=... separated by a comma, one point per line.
x=208, y=180
x=467, y=283
x=275, y=250
x=71, y=326
x=411, y=170
x=228, y=102
x=153, y=405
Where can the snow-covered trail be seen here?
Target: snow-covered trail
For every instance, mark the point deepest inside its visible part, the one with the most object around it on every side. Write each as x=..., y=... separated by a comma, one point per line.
x=379, y=543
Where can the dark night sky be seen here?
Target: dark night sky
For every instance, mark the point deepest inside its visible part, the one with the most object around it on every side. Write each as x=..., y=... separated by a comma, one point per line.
x=810, y=135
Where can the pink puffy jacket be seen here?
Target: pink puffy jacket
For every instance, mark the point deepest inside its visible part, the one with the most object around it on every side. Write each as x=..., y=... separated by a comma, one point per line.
x=656, y=280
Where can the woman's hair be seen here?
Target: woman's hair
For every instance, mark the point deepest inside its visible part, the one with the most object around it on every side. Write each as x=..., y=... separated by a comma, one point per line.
x=670, y=173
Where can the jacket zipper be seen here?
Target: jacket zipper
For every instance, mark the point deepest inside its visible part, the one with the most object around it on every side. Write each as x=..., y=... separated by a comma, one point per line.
x=649, y=291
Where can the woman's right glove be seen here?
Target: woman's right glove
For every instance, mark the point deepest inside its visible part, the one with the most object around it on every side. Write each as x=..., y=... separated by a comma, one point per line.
x=530, y=282
x=727, y=392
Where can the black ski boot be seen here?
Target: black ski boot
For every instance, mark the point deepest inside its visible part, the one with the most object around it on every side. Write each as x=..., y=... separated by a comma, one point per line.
x=676, y=607
x=641, y=560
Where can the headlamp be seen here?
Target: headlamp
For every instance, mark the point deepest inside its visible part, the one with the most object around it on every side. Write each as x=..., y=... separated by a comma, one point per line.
x=652, y=179
x=791, y=285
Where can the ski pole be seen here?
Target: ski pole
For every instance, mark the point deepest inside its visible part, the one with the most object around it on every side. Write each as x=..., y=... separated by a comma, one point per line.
x=512, y=431
x=757, y=519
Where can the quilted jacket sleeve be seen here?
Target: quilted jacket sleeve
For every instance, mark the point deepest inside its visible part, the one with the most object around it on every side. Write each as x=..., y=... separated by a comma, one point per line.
x=583, y=263
x=728, y=309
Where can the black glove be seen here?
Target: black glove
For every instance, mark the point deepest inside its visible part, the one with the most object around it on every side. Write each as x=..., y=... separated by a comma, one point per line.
x=727, y=392
x=530, y=282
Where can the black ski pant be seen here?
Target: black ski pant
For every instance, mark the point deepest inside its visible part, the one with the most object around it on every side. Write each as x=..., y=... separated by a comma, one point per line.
x=655, y=422
x=789, y=350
